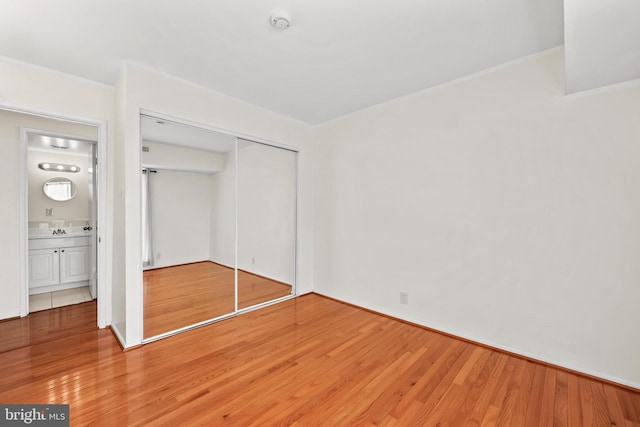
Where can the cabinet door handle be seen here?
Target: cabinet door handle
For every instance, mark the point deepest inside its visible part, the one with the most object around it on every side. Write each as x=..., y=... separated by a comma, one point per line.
x=62, y=250
x=55, y=252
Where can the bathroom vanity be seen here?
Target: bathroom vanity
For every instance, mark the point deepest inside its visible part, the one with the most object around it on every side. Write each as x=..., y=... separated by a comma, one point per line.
x=58, y=262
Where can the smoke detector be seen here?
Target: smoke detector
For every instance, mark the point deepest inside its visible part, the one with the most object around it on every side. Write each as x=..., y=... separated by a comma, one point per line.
x=280, y=19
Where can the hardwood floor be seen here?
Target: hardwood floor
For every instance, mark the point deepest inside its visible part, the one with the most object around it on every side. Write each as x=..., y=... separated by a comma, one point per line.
x=47, y=325
x=179, y=296
x=306, y=361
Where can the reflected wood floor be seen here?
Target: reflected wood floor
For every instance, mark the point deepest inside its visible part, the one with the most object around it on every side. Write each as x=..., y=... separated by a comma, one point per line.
x=305, y=361
x=182, y=295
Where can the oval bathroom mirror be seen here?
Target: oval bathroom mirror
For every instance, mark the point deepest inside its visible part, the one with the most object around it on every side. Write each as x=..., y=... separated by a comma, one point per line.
x=60, y=189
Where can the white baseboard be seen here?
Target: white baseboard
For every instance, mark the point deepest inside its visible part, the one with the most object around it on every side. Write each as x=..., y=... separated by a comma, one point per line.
x=59, y=287
x=118, y=335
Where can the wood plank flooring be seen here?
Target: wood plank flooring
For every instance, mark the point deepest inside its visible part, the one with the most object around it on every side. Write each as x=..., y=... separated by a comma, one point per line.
x=304, y=362
x=47, y=325
x=179, y=296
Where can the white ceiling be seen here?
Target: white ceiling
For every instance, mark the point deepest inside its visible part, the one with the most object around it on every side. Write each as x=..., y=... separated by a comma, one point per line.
x=53, y=144
x=602, y=43
x=338, y=56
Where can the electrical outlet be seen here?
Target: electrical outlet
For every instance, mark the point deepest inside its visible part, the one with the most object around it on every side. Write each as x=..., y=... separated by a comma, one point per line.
x=253, y=260
x=404, y=298
x=159, y=255
x=49, y=212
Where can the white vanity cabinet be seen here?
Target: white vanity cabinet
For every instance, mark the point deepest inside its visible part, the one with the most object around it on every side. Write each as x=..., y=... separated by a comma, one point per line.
x=58, y=263
x=74, y=264
x=44, y=267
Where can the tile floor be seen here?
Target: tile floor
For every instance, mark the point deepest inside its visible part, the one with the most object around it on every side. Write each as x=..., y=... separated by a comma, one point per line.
x=49, y=300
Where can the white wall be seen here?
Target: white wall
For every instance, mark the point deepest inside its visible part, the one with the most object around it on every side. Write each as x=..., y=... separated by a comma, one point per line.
x=75, y=209
x=175, y=157
x=180, y=212
x=265, y=212
x=119, y=284
x=36, y=89
x=180, y=201
x=222, y=237
x=508, y=212
x=141, y=88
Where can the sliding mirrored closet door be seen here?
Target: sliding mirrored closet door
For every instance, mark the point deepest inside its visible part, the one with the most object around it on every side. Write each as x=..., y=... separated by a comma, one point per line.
x=218, y=224
x=266, y=222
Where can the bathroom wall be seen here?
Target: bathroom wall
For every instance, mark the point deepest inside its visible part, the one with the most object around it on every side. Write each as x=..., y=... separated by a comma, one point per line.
x=74, y=209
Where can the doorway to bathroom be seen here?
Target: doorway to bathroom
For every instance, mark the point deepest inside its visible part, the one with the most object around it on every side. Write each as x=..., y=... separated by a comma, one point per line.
x=61, y=211
x=75, y=256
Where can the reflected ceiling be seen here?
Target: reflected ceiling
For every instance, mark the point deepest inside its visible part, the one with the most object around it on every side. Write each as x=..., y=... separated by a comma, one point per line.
x=168, y=132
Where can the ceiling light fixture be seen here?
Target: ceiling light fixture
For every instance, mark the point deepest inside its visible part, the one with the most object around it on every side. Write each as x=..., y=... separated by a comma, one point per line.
x=280, y=19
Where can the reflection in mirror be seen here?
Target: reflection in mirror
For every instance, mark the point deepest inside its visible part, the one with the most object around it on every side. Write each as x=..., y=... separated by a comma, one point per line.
x=60, y=189
x=183, y=285
x=214, y=208
x=266, y=223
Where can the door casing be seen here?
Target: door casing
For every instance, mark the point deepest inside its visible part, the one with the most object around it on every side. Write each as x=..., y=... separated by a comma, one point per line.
x=104, y=287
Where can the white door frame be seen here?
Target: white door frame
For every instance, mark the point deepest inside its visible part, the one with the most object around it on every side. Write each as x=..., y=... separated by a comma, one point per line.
x=104, y=287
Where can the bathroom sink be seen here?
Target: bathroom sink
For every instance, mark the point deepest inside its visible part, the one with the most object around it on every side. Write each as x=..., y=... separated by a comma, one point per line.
x=39, y=233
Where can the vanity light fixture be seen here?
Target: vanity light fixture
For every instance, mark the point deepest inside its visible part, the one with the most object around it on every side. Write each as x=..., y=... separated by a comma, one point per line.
x=59, y=167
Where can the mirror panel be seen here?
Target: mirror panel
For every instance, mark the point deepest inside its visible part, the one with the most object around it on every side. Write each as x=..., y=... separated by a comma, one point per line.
x=266, y=222
x=60, y=189
x=219, y=224
x=188, y=275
